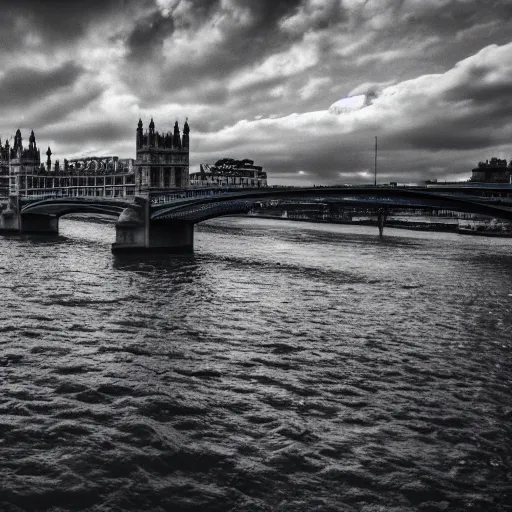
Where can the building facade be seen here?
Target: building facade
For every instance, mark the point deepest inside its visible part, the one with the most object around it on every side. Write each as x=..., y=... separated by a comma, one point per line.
x=494, y=171
x=162, y=160
x=229, y=172
x=16, y=162
x=23, y=173
x=161, y=163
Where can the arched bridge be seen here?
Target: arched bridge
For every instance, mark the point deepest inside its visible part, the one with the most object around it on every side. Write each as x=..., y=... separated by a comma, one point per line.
x=64, y=206
x=164, y=220
x=197, y=209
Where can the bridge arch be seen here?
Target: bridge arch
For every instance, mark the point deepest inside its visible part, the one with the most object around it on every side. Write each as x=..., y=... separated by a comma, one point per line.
x=60, y=207
x=200, y=209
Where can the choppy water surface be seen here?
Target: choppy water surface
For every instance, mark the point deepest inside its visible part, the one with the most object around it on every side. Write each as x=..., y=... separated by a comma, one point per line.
x=285, y=366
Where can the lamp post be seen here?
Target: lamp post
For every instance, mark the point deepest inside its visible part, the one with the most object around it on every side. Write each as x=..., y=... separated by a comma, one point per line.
x=375, y=176
x=12, y=183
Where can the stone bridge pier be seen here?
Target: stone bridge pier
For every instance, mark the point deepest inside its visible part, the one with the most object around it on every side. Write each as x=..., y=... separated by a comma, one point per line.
x=13, y=221
x=136, y=232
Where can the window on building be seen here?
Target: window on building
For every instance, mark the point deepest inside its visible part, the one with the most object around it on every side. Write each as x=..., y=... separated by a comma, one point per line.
x=155, y=177
x=167, y=177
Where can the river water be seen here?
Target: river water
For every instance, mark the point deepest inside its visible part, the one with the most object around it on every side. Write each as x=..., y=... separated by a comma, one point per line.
x=284, y=366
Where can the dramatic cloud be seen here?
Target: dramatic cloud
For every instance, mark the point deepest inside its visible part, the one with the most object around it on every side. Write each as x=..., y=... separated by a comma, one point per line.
x=147, y=39
x=430, y=78
x=448, y=111
x=17, y=85
x=32, y=24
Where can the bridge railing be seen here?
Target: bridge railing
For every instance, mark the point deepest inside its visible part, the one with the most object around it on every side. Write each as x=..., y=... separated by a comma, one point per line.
x=191, y=193
x=53, y=195
x=156, y=197
x=177, y=196
x=42, y=197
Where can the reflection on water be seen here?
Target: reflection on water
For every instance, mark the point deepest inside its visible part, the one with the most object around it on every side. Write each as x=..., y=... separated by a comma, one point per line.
x=283, y=366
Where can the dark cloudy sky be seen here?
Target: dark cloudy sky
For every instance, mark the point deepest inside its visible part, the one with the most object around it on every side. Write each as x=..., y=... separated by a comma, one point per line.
x=256, y=78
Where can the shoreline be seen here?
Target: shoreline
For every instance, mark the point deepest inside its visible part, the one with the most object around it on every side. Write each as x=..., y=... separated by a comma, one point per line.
x=433, y=227
x=439, y=227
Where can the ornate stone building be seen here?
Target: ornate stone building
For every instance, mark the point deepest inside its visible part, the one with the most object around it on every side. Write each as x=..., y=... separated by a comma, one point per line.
x=162, y=160
x=22, y=172
x=494, y=171
x=161, y=163
x=18, y=162
x=231, y=173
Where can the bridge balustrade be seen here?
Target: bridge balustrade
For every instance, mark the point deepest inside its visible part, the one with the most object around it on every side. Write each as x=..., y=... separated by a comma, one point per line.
x=169, y=197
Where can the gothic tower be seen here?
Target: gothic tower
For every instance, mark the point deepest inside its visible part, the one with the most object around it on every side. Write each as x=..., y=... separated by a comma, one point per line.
x=152, y=133
x=49, y=161
x=139, y=137
x=32, y=141
x=186, y=131
x=176, y=139
x=162, y=161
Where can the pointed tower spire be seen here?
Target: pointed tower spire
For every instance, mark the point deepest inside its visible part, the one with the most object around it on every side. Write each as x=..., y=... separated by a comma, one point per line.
x=32, y=141
x=186, y=131
x=139, y=136
x=49, y=161
x=176, y=140
x=152, y=133
x=17, y=140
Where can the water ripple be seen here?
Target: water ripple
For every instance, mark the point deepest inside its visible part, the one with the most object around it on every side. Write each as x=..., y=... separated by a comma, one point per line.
x=283, y=366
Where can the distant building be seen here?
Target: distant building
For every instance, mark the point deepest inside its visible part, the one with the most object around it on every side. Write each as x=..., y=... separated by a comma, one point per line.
x=493, y=171
x=21, y=172
x=108, y=176
x=162, y=161
x=229, y=172
x=18, y=161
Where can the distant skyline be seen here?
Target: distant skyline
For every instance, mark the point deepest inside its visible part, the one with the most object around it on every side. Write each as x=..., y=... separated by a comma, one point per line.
x=257, y=79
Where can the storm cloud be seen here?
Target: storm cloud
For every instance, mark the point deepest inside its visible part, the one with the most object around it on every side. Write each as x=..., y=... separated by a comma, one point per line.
x=25, y=85
x=256, y=79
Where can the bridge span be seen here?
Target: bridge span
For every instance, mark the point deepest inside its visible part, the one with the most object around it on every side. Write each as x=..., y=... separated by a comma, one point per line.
x=163, y=220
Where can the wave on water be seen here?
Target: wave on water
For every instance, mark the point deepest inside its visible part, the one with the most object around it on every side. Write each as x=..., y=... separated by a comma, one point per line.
x=276, y=369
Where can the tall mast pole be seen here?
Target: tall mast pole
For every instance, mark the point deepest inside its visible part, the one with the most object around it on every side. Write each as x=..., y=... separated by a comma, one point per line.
x=375, y=178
